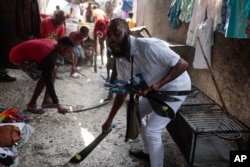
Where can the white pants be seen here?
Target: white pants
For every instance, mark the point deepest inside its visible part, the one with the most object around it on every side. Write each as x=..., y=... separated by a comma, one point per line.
x=151, y=133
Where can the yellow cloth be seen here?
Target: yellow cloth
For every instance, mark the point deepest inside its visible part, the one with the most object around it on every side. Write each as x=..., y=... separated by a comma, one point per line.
x=131, y=23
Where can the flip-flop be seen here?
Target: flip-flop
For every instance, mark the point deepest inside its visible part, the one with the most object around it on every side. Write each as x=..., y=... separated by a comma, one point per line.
x=35, y=109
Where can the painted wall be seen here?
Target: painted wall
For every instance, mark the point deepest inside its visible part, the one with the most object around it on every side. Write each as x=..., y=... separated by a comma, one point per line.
x=230, y=60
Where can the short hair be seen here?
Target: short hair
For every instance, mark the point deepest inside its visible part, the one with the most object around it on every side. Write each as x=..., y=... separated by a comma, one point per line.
x=121, y=21
x=131, y=14
x=66, y=41
x=60, y=14
x=84, y=29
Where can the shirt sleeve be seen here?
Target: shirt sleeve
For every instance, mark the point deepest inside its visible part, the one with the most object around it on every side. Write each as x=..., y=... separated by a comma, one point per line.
x=163, y=54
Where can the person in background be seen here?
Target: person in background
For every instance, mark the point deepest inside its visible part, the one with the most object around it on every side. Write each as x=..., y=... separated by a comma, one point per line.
x=39, y=56
x=162, y=70
x=127, y=5
x=98, y=14
x=88, y=13
x=100, y=35
x=78, y=53
x=130, y=20
x=117, y=12
x=76, y=11
x=53, y=27
x=4, y=77
x=57, y=9
x=81, y=10
x=108, y=6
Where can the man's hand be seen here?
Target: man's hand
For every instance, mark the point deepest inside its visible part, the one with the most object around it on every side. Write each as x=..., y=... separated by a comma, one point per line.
x=106, y=125
x=154, y=87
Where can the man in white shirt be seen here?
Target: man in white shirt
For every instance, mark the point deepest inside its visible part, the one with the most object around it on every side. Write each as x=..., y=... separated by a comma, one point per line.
x=162, y=70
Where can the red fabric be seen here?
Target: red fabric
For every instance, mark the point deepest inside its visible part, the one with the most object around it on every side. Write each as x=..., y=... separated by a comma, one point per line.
x=76, y=37
x=98, y=28
x=88, y=11
x=50, y=31
x=44, y=16
x=32, y=50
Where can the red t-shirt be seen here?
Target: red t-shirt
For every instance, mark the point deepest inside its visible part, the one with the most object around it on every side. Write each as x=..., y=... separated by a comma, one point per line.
x=76, y=37
x=50, y=31
x=32, y=50
x=101, y=26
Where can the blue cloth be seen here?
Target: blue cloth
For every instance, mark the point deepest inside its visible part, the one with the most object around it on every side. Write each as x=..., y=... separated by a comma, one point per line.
x=224, y=16
x=237, y=19
x=173, y=14
x=78, y=51
x=127, y=5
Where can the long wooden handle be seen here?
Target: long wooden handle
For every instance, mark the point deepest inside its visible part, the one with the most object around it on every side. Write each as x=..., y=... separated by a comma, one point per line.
x=212, y=75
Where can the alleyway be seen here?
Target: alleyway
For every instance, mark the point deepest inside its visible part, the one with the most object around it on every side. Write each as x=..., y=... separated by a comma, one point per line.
x=58, y=137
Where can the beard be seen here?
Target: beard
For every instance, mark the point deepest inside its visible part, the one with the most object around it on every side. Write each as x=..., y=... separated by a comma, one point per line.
x=123, y=49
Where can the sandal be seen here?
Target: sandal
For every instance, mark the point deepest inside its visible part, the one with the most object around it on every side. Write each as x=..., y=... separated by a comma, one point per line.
x=35, y=109
x=75, y=75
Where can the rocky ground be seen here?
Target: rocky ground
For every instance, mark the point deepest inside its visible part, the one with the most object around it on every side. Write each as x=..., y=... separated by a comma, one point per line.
x=58, y=137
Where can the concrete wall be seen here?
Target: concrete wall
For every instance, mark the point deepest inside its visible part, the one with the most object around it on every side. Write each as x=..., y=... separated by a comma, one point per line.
x=230, y=61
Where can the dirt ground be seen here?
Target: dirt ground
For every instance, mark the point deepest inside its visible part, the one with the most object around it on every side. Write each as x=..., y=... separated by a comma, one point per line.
x=58, y=137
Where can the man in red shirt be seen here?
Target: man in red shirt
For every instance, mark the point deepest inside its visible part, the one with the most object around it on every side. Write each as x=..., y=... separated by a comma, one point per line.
x=78, y=53
x=41, y=55
x=53, y=28
x=100, y=33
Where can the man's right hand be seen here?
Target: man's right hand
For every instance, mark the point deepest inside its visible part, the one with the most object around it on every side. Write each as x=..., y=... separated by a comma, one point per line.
x=106, y=125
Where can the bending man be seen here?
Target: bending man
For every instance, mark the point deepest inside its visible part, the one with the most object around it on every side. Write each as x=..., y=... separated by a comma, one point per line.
x=39, y=56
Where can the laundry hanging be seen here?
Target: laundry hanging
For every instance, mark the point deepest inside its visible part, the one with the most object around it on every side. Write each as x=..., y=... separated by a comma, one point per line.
x=173, y=14
x=186, y=9
x=205, y=35
x=237, y=20
x=198, y=16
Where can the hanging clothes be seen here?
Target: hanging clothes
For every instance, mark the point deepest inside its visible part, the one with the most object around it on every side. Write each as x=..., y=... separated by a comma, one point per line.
x=198, y=16
x=141, y=5
x=224, y=17
x=28, y=19
x=173, y=14
x=205, y=34
x=247, y=15
x=237, y=21
x=214, y=11
x=187, y=7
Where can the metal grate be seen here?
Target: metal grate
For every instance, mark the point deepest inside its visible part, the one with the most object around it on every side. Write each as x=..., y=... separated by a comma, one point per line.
x=214, y=120
x=197, y=98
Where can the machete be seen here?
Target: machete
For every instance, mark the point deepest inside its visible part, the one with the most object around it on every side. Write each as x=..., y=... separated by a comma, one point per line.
x=87, y=150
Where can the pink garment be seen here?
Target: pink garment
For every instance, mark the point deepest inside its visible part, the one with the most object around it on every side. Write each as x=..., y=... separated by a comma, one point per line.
x=88, y=11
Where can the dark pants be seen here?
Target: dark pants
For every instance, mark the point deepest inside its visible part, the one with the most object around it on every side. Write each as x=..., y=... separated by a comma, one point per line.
x=3, y=72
